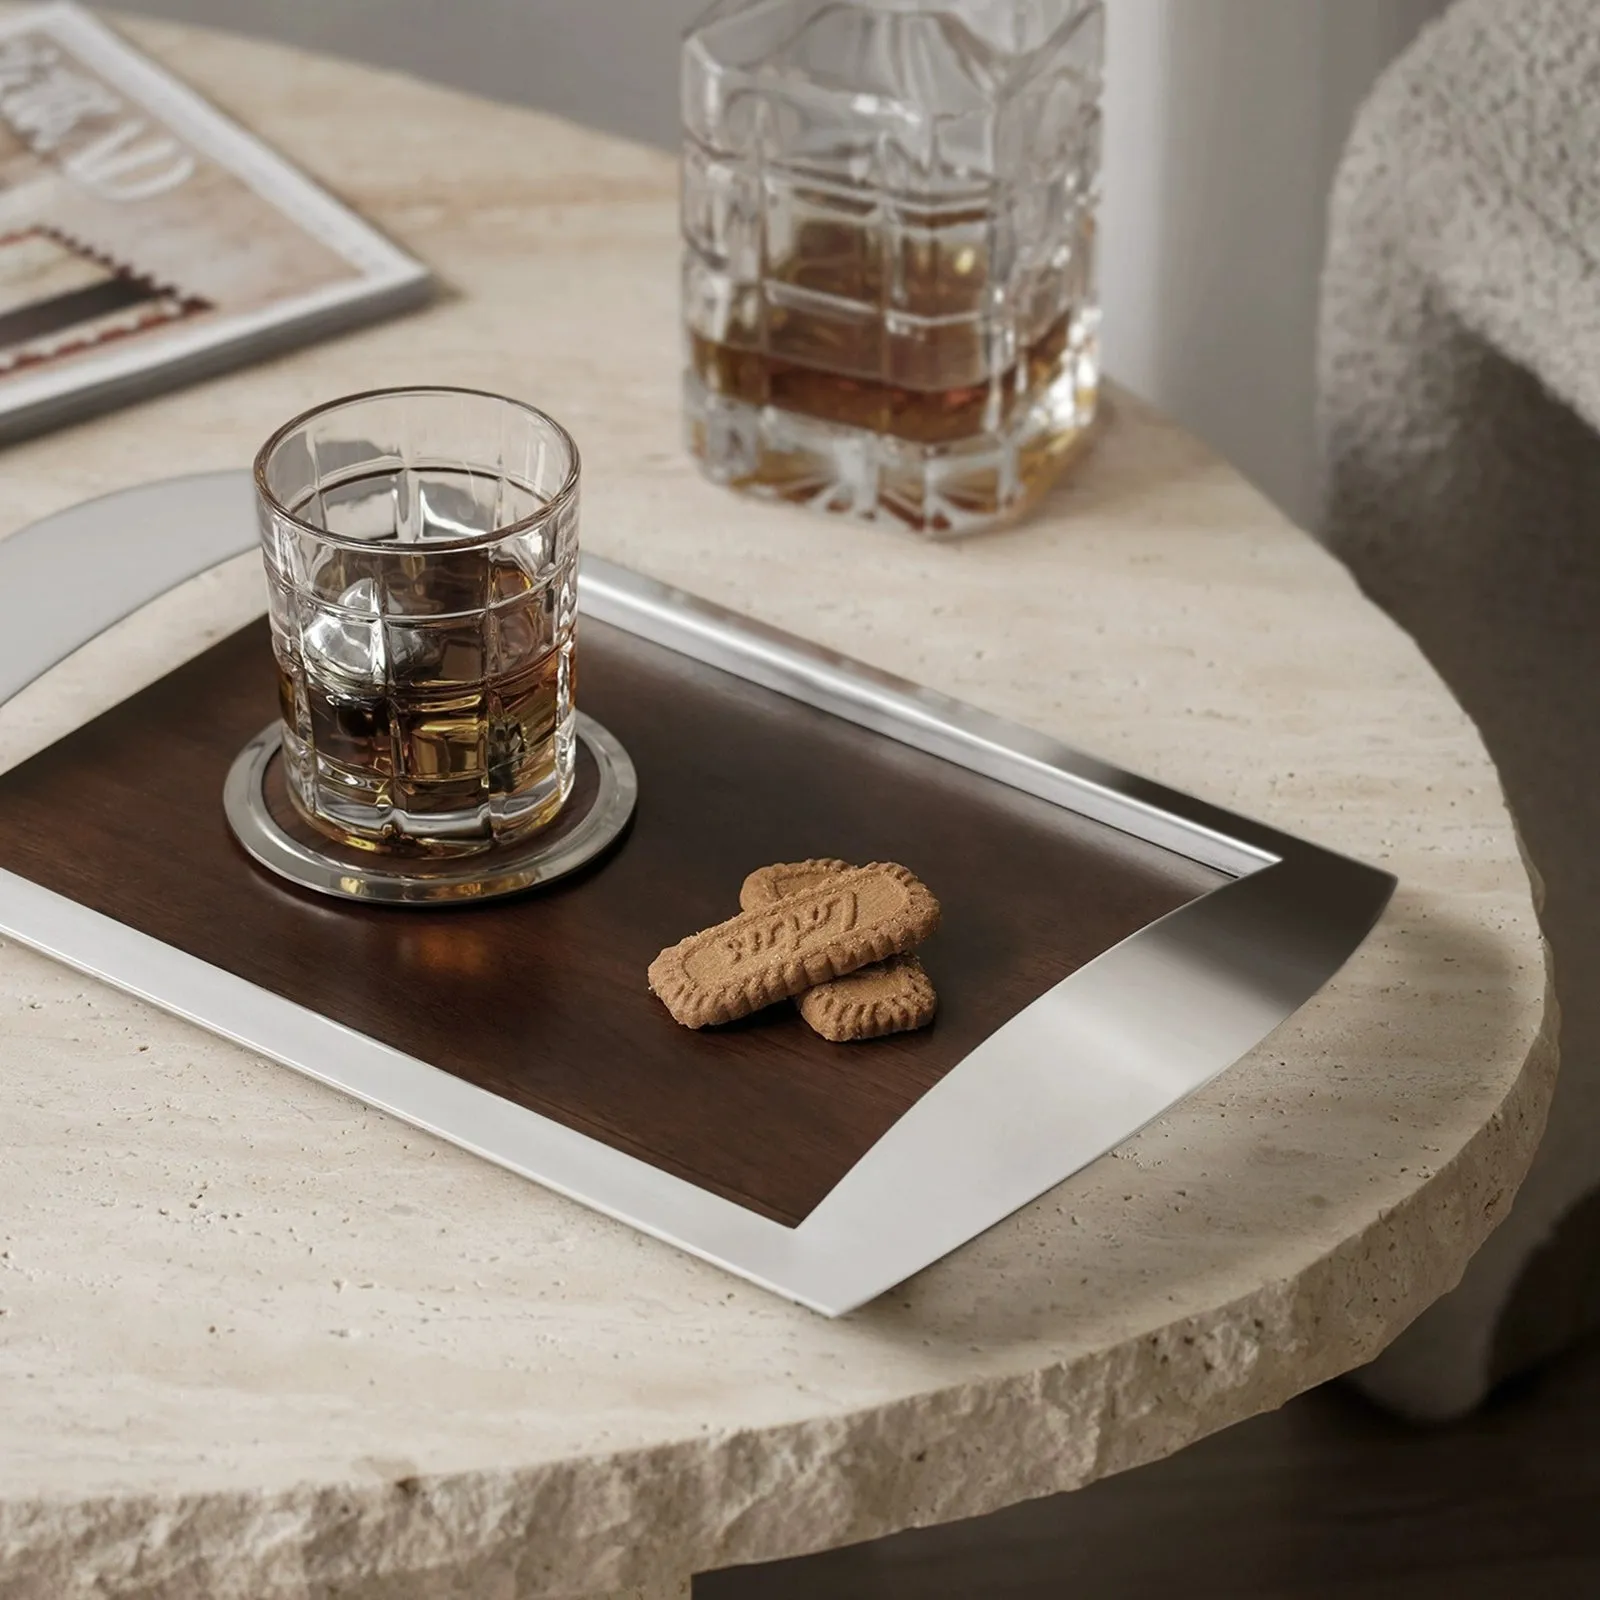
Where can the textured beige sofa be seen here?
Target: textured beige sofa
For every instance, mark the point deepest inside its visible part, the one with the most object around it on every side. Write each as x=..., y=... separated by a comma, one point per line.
x=1459, y=377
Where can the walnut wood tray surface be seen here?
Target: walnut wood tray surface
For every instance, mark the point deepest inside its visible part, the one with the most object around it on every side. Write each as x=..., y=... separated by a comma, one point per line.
x=542, y=999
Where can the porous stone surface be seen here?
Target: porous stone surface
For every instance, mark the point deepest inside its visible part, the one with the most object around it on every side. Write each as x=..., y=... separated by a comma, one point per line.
x=258, y=1341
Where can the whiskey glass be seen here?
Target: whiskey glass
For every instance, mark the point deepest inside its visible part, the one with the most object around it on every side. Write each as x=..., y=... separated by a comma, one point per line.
x=421, y=551
x=889, y=212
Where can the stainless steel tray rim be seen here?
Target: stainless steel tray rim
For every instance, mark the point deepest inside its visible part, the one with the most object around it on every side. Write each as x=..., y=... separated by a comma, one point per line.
x=1081, y=1069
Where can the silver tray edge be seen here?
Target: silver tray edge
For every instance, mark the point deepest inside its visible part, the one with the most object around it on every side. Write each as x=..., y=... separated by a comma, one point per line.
x=1073, y=1075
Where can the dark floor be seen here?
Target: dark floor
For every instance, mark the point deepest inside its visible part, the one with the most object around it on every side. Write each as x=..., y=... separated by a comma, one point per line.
x=1327, y=1499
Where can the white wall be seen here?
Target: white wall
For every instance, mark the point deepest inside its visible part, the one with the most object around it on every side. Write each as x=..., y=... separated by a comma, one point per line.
x=1224, y=121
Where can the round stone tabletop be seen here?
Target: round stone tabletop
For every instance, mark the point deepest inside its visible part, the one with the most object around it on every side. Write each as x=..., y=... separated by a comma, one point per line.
x=256, y=1339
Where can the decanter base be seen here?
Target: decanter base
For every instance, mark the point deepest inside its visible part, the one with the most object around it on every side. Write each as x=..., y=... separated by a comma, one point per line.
x=938, y=491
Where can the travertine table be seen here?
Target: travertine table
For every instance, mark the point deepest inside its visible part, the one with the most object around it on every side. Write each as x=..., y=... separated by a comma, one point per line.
x=256, y=1340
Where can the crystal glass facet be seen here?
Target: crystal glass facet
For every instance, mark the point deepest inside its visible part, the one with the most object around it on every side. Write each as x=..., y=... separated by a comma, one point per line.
x=421, y=548
x=889, y=213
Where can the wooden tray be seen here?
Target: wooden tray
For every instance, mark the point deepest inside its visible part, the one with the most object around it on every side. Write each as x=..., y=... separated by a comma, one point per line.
x=524, y=1027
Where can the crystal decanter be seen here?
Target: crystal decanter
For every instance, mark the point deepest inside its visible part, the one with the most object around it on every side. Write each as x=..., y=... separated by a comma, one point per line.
x=889, y=243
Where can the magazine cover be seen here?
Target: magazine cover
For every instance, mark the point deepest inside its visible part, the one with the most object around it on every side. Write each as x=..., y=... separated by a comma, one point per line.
x=145, y=239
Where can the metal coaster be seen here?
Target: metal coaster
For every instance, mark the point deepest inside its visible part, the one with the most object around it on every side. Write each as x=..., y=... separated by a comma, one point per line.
x=600, y=807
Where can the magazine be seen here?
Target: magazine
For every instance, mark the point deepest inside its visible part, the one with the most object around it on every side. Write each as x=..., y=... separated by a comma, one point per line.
x=145, y=239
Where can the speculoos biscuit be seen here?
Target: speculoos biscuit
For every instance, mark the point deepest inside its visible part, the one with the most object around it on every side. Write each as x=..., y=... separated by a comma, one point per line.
x=894, y=996
x=822, y=932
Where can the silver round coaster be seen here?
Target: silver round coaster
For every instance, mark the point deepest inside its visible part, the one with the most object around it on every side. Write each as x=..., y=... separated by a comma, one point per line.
x=604, y=803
